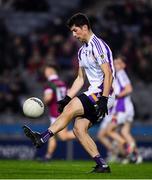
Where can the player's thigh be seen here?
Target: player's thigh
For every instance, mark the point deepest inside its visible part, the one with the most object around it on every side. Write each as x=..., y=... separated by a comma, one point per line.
x=111, y=126
x=74, y=107
x=126, y=128
x=104, y=122
x=81, y=125
x=130, y=117
x=121, y=118
x=103, y=128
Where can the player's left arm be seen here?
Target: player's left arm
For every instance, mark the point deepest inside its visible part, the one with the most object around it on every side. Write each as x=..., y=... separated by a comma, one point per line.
x=108, y=78
x=125, y=83
x=47, y=97
x=102, y=103
x=126, y=91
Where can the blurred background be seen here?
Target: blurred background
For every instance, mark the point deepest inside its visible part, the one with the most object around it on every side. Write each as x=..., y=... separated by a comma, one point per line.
x=34, y=32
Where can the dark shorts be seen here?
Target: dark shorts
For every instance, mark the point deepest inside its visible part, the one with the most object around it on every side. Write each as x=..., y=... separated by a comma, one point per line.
x=89, y=110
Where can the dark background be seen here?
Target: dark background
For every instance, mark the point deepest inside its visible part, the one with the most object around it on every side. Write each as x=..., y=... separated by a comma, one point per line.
x=34, y=32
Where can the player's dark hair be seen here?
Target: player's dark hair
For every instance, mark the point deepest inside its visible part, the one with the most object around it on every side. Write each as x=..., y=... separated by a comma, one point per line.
x=78, y=20
x=52, y=65
x=49, y=65
x=120, y=56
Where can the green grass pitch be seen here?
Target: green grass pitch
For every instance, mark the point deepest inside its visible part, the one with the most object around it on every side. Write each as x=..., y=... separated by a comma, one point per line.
x=13, y=169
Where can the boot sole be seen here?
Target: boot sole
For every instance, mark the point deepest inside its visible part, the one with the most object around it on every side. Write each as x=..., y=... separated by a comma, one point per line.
x=28, y=132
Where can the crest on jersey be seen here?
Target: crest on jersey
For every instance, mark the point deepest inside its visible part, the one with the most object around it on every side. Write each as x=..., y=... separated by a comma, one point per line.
x=102, y=56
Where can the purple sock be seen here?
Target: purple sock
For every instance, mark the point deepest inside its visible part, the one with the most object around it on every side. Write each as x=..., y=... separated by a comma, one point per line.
x=45, y=136
x=100, y=161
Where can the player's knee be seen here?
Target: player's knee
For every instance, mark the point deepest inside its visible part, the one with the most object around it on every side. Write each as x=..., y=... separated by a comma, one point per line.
x=78, y=131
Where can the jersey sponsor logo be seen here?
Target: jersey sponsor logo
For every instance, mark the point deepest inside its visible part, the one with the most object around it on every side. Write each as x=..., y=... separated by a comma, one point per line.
x=87, y=53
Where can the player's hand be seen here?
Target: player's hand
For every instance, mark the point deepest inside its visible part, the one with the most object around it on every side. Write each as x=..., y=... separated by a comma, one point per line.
x=62, y=103
x=101, y=107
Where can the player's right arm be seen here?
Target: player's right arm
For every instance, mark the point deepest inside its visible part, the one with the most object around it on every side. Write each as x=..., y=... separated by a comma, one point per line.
x=75, y=88
x=77, y=84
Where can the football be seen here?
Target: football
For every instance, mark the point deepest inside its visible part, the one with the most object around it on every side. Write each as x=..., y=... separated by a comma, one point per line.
x=33, y=107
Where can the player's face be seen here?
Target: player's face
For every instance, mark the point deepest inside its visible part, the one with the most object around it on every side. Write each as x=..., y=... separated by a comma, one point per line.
x=118, y=64
x=79, y=32
x=47, y=72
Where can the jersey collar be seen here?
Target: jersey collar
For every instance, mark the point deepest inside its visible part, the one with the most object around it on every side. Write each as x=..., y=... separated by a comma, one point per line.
x=52, y=77
x=92, y=36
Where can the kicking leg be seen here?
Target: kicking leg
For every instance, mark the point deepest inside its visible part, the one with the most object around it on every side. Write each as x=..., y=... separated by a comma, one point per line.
x=72, y=110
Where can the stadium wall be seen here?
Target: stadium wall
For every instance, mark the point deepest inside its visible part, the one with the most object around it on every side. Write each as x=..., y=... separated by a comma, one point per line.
x=72, y=150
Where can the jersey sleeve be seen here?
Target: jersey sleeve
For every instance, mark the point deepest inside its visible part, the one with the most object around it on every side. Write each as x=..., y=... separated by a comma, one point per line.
x=99, y=53
x=123, y=78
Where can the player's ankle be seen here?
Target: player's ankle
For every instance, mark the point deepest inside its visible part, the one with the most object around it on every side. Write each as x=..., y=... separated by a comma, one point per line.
x=100, y=161
x=45, y=136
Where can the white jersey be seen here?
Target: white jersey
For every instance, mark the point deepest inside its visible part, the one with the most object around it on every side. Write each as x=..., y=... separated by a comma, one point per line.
x=91, y=56
x=123, y=106
x=125, y=103
x=121, y=81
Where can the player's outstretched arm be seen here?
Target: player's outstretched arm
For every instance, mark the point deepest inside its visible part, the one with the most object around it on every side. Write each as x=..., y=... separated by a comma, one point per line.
x=77, y=85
